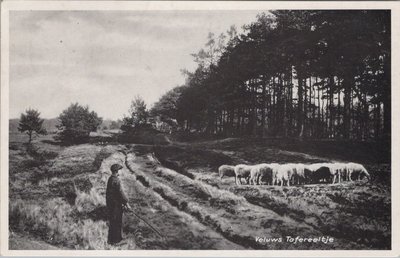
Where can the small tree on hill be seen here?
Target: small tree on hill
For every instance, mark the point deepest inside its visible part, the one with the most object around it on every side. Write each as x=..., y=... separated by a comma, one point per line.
x=31, y=123
x=76, y=123
x=138, y=111
x=138, y=115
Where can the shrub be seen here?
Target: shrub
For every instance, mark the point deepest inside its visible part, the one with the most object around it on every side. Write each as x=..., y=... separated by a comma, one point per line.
x=89, y=201
x=143, y=134
x=76, y=123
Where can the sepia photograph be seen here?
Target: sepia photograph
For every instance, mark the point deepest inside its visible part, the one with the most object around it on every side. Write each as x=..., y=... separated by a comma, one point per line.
x=192, y=128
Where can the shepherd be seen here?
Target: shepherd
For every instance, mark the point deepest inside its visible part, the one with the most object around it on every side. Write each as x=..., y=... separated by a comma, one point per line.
x=116, y=201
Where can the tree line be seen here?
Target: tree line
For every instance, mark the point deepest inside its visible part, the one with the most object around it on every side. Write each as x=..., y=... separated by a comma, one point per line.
x=76, y=122
x=303, y=73
x=291, y=73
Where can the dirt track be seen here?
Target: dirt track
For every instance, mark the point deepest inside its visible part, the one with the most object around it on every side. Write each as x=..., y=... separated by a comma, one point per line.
x=180, y=230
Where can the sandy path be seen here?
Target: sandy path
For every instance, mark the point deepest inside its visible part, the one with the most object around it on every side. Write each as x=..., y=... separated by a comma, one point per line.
x=180, y=230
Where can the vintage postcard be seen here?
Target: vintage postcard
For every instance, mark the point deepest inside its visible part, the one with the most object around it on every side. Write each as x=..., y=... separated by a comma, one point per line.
x=200, y=129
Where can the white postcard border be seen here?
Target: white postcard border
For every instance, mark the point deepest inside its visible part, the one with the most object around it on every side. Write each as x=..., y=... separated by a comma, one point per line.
x=7, y=6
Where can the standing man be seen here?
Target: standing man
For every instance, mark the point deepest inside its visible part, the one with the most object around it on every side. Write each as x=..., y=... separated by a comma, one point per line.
x=116, y=200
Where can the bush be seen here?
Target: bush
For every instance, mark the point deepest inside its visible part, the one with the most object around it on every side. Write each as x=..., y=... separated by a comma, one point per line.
x=76, y=123
x=143, y=134
x=42, y=155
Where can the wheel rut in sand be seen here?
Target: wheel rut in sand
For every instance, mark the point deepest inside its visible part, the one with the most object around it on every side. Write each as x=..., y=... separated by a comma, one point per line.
x=180, y=230
x=232, y=216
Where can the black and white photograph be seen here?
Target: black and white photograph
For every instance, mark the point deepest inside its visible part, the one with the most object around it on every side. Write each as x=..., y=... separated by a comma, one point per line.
x=165, y=127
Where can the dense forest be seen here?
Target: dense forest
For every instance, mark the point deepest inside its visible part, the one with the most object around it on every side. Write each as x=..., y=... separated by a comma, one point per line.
x=295, y=73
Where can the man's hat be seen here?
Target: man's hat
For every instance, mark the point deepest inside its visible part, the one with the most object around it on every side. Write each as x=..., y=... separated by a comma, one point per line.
x=115, y=167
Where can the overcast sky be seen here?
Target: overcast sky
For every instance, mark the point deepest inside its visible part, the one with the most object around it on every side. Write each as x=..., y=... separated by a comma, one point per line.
x=104, y=58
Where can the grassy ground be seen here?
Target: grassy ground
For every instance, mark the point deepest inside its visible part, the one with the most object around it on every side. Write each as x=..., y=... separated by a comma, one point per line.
x=57, y=197
x=55, y=193
x=27, y=242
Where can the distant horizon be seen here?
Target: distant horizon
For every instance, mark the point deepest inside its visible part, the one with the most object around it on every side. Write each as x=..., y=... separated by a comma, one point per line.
x=51, y=118
x=104, y=58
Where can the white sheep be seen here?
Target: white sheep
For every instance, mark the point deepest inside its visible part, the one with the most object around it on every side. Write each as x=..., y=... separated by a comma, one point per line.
x=242, y=171
x=255, y=174
x=299, y=174
x=284, y=174
x=334, y=169
x=338, y=170
x=358, y=169
x=274, y=167
x=260, y=171
x=226, y=170
x=344, y=171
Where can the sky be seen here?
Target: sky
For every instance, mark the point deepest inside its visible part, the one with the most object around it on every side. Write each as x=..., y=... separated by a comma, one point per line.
x=104, y=58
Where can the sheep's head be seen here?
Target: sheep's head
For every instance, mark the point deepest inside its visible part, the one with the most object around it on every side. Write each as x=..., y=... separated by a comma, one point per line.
x=366, y=174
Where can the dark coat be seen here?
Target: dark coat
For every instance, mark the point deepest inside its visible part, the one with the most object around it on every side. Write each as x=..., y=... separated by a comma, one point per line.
x=115, y=199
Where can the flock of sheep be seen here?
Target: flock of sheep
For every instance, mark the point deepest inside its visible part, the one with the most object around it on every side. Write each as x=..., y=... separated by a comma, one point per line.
x=294, y=173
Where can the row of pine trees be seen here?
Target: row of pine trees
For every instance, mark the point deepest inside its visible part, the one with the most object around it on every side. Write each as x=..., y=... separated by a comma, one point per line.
x=293, y=73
